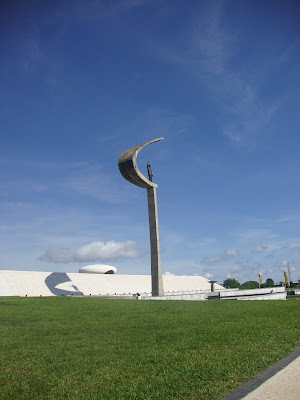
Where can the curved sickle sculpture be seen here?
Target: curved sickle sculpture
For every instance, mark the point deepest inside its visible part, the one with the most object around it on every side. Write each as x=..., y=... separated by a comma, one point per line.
x=129, y=169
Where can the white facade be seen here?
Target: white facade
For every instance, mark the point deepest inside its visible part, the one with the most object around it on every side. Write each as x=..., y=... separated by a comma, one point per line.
x=32, y=283
x=35, y=284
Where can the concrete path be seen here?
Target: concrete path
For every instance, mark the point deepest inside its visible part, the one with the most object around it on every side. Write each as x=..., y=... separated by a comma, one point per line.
x=279, y=382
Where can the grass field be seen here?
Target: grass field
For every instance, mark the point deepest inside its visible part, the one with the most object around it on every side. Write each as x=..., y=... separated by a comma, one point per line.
x=93, y=348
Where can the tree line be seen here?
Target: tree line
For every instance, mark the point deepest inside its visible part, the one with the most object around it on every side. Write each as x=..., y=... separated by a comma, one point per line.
x=231, y=283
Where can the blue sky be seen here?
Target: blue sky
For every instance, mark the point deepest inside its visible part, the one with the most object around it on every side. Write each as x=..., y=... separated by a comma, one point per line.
x=82, y=81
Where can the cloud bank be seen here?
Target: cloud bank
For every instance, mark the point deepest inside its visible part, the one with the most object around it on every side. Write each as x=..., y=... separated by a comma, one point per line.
x=56, y=254
x=95, y=251
x=259, y=249
x=107, y=251
x=228, y=254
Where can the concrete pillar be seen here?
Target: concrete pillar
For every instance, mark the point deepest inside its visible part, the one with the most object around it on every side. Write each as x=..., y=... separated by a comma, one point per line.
x=212, y=285
x=156, y=273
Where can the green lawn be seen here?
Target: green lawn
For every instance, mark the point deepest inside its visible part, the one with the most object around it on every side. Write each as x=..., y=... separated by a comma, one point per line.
x=93, y=348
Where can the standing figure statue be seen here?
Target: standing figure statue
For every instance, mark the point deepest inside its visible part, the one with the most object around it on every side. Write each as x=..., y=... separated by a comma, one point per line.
x=150, y=175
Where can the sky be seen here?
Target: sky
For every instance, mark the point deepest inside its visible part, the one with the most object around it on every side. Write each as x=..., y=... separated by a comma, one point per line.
x=84, y=80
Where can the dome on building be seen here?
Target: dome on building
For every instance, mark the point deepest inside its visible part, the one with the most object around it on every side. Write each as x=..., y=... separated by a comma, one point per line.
x=98, y=269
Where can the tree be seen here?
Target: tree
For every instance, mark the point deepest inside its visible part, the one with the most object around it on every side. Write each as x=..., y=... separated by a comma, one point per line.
x=231, y=283
x=270, y=283
x=250, y=285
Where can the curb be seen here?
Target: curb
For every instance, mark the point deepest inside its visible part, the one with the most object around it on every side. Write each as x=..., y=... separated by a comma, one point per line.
x=262, y=377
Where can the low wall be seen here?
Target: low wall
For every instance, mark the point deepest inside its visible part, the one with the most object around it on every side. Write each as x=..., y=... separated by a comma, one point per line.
x=190, y=297
x=275, y=293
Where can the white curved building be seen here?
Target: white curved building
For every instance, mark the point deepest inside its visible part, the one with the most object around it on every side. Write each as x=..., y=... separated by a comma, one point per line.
x=98, y=269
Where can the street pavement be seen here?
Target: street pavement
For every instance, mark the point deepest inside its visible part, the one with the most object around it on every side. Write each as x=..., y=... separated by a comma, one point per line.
x=279, y=382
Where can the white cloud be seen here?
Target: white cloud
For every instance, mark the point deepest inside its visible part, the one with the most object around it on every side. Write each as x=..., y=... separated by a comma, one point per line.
x=56, y=254
x=208, y=53
x=236, y=268
x=167, y=273
x=159, y=121
x=205, y=242
x=227, y=254
x=107, y=251
x=95, y=183
x=232, y=252
x=212, y=260
x=285, y=263
x=284, y=266
x=80, y=179
x=237, y=271
x=259, y=249
x=254, y=266
x=288, y=218
x=245, y=113
x=208, y=275
x=256, y=235
x=95, y=251
x=234, y=275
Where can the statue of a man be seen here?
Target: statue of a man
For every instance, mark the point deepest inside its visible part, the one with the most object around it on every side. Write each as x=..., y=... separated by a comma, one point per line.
x=150, y=175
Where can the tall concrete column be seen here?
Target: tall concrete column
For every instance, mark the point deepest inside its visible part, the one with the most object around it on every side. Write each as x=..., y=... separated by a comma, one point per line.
x=156, y=273
x=129, y=170
x=212, y=285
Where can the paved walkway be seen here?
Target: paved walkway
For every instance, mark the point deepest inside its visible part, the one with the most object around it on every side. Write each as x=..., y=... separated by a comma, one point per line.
x=279, y=382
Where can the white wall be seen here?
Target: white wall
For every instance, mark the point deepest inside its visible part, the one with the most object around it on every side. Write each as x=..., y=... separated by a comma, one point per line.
x=33, y=283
